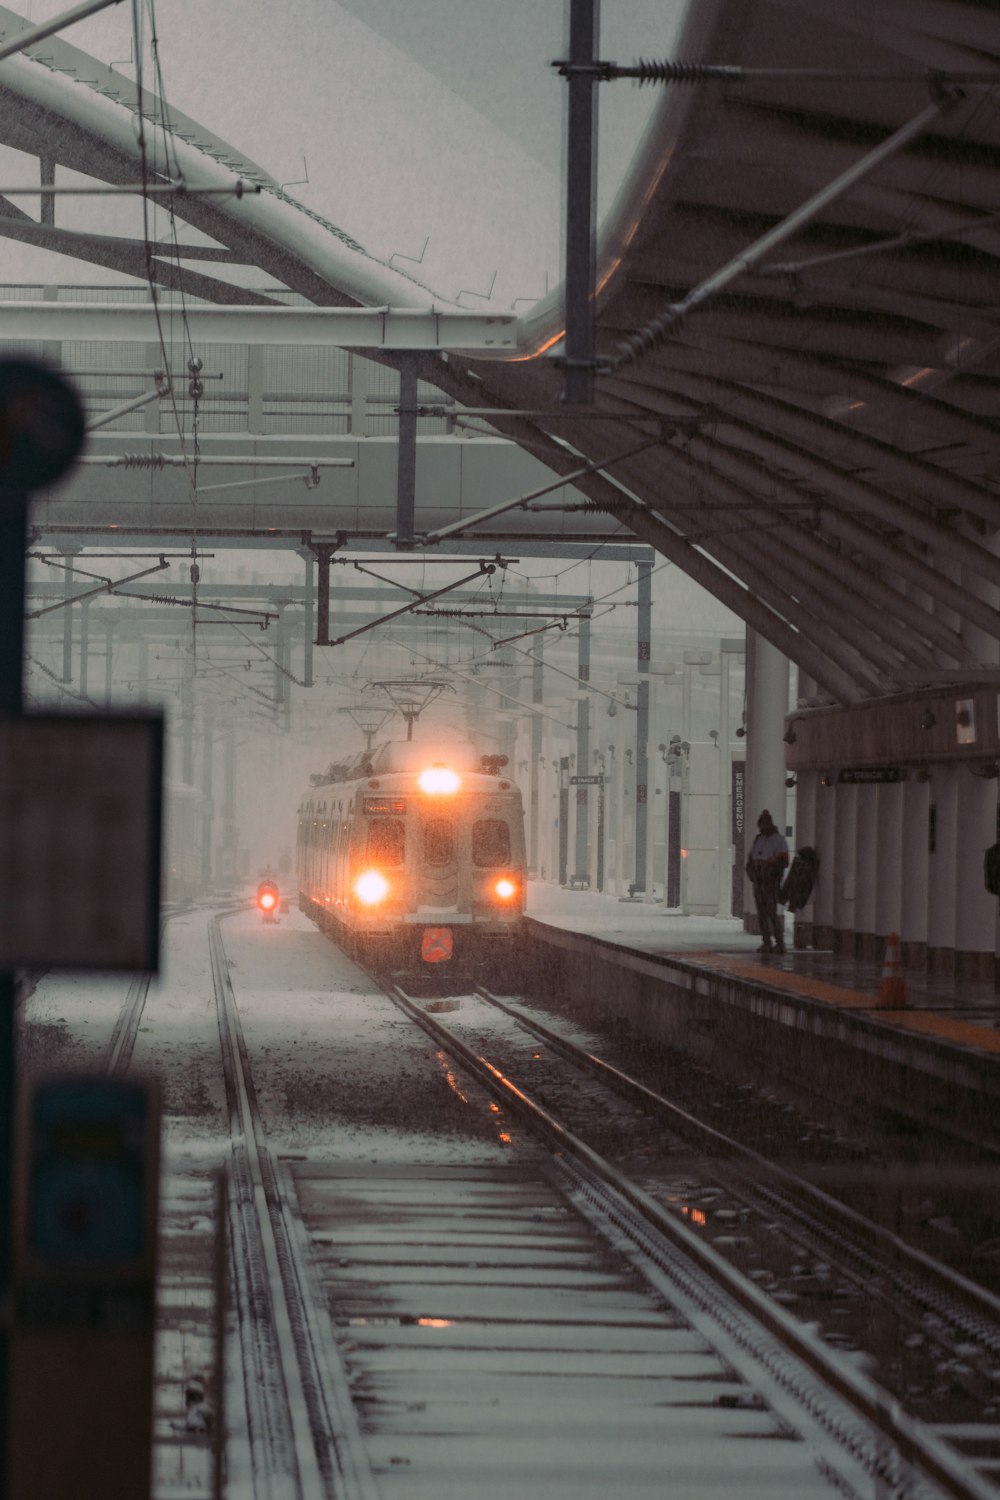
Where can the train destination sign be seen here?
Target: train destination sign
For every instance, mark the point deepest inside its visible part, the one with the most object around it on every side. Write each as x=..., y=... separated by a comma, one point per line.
x=80, y=799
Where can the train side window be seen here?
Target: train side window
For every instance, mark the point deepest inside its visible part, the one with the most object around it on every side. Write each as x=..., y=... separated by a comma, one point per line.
x=490, y=842
x=387, y=841
x=439, y=841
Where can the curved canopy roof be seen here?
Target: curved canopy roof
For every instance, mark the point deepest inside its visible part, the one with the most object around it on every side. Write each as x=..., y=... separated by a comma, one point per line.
x=821, y=419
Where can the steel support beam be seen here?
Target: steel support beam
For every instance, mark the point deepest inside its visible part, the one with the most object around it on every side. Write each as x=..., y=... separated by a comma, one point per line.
x=456, y=330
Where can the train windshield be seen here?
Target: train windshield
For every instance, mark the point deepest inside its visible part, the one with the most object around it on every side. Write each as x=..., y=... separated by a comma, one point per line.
x=439, y=842
x=387, y=841
x=490, y=843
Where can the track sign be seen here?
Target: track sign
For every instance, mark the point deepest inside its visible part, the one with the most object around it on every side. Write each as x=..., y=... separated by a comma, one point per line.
x=80, y=841
x=437, y=945
x=41, y=426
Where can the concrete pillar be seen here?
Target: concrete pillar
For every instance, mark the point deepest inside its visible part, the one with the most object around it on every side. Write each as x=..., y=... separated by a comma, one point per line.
x=914, y=872
x=824, y=823
x=890, y=872
x=845, y=867
x=534, y=791
x=942, y=864
x=868, y=872
x=207, y=802
x=806, y=836
x=581, y=870
x=767, y=704
x=640, y=804
x=308, y=557
x=974, y=917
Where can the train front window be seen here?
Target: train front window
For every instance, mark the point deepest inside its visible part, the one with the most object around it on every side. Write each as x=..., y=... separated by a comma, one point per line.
x=387, y=841
x=439, y=842
x=490, y=843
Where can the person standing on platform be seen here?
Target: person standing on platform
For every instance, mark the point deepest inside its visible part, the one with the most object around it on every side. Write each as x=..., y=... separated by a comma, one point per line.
x=766, y=867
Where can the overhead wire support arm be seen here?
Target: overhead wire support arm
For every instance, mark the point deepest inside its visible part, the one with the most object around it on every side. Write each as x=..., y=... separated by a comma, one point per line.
x=484, y=570
x=656, y=332
x=106, y=586
x=662, y=70
x=38, y=33
x=443, y=532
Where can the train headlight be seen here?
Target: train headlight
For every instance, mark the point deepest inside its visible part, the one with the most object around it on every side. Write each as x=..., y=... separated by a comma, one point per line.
x=371, y=888
x=505, y=888
x=438, y=779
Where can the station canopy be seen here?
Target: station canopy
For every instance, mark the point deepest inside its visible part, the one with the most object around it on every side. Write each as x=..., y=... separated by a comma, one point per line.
x=797, y=335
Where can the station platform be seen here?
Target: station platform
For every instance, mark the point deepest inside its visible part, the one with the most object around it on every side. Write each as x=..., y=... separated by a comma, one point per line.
x=811, y=1016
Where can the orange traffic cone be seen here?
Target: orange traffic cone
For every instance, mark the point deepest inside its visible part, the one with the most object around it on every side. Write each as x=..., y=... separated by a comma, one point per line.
x=892, y=990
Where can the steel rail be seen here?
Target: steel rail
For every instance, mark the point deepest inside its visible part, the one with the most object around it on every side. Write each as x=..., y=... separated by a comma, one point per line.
x=329, y=1454
x=980, y=1299
x=862, y=1395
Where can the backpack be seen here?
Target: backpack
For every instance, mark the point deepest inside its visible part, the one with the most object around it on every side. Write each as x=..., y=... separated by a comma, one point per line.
x=797, y=885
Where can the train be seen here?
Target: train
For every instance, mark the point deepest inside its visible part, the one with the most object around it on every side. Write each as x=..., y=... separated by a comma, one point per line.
x=412, y=856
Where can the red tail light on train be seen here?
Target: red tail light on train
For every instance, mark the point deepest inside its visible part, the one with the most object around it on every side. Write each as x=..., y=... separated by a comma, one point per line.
x=268, y=897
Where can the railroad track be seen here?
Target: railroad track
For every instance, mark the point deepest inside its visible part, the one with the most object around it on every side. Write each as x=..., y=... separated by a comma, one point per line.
x=955, y=1454
x=532, y=1320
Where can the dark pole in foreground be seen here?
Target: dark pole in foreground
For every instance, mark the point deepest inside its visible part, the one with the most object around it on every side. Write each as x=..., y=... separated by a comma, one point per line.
x=41, y=433
x=581, y=199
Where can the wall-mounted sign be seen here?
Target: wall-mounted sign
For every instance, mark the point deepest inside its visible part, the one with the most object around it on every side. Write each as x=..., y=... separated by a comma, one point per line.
x=965, y=721
x=586, y=781
x=865, y=775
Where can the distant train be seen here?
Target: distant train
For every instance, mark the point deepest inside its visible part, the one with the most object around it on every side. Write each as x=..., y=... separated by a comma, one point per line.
x=413, y=858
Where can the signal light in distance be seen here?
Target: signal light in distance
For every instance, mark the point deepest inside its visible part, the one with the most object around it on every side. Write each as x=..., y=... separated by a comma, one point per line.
x=268, y=897
x=505, y=888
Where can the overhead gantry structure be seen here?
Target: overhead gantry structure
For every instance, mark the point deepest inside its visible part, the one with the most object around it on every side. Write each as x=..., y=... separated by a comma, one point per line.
x=797, y=348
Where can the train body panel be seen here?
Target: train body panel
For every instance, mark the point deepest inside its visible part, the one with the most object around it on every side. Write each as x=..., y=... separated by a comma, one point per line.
x=415, y=857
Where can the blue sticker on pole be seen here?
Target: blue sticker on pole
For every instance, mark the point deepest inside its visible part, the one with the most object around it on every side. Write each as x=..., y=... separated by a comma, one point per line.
x=88, y=1175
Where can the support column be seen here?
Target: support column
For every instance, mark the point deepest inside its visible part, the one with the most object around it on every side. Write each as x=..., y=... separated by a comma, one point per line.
x=67, y=662
x=974, y=904
x=803, y=927
x=207, y=804
x=406, y=459
x=917, y=798
x=581, y=872
x=767, y=704
x=359, y=396
x=109, y=663
x=309, y=558
x=825, y=823
x=581, y=199
x=868, y=864
x=255, y=388
x=845, y=887
x=644, y=627
x=728, y=648
x=85, y=648
x=534, y=807
x=942, y=850
x=891, y=871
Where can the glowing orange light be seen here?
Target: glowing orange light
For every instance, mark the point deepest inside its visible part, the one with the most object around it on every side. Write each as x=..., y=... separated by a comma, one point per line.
x=371, y=887
x=697, y=1217
x=505, y=889
x=438, y=779
x=433, y=1322
x=684, y=854
x=505, y=1138
x=267, y=900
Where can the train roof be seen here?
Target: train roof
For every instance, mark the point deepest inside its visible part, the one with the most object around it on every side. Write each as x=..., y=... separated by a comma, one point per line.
x=411, y=755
